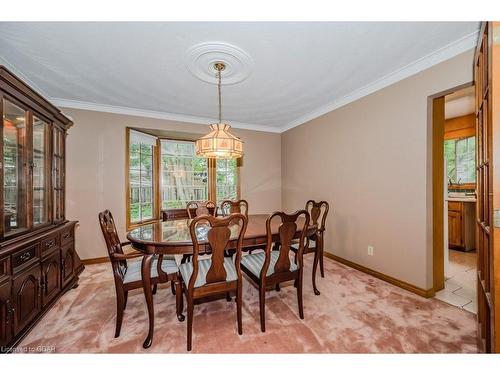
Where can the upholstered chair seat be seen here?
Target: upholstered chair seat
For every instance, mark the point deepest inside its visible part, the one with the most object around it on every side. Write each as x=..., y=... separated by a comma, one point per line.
x=254, y=262
x=133, y=270
x=186, y=270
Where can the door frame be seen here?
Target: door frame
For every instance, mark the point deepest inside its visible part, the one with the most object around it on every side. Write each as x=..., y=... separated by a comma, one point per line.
x=436, y=116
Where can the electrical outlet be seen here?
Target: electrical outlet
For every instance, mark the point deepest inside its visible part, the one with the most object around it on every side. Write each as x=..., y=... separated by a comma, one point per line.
x=370, y=250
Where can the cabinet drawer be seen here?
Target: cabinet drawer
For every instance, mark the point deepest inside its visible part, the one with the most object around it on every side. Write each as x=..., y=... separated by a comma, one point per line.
x=66, y=236
x=455, y=206
x=49, y=243
x=23, y=257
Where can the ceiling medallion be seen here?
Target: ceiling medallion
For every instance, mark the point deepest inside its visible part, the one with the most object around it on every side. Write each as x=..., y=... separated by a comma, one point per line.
x=201, y=60
x=219, y=143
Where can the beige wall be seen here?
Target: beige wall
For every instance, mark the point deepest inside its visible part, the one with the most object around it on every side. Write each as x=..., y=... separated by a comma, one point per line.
x=95, y=171
x=371, y=160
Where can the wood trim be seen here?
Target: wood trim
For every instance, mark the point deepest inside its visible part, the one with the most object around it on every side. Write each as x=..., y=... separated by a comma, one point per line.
x=438, y=192
x=156, y=179
x=427, y=293
x=127, y=177
x=212, y=180
x=100, y=260
x=469, y=186
x=460, y=127
x=494, y=118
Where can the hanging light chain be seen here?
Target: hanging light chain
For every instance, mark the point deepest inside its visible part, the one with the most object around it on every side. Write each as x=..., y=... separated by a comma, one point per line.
x=220, y=99
x=220, y=67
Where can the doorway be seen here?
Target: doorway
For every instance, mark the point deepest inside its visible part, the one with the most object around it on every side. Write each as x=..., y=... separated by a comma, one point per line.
x=459, y=173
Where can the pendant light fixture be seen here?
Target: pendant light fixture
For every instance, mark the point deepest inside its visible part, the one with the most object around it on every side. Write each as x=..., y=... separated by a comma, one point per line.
x=219, y=143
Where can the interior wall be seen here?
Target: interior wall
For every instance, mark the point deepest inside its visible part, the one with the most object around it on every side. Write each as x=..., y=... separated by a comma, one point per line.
x=95, y=171
x=372, y=160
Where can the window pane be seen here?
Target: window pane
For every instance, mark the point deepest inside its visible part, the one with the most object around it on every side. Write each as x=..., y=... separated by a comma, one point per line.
x=449, y=155
x=134, y=213
x=227, y=180
x=141, y=178
x=184, y=176
x=14, y=135
x=460, y=156
x=134, y=161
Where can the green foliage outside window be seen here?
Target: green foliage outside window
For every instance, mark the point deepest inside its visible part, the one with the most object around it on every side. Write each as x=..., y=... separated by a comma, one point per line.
x=460, y=156
x=227, y=176
x=184, y=175
x=141, y=181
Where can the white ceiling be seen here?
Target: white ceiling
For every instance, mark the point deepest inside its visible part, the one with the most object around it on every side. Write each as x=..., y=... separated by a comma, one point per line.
x=460, y=103
x=296, y=71
x=460, y=107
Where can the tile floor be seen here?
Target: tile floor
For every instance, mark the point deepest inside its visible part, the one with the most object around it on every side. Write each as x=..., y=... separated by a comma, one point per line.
x=460, y=283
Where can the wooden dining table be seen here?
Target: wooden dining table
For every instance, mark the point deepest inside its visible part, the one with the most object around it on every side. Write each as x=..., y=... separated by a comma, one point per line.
x=172, y=237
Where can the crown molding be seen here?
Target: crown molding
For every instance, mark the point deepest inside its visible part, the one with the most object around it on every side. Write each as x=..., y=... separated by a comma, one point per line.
x=447, y=52
x=442, y=54
x=76, y=104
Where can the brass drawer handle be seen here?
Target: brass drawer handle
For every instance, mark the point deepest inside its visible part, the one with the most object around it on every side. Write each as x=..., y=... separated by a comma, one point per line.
x=66, y=235
x=24, y=257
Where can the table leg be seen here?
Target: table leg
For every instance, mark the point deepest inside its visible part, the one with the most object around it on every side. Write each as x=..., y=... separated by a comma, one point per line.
x=148, y=294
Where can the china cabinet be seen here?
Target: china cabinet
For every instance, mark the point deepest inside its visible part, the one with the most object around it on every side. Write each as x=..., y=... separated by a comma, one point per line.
x=38, y=259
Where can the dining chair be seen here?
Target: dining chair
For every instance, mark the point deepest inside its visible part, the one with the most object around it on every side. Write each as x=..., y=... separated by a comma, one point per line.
x=127, y=270
x=230, y=207
x=318, y=212
x=272, y=266
x=216, y=275
x=195, y=208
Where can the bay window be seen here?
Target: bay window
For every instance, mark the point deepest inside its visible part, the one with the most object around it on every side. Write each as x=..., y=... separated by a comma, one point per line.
x=165, y=173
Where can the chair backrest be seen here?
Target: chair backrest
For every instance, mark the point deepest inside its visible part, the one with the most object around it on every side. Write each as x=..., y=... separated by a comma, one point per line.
x=318, y=212
x=217, y=232
x=195, y=208
x=231, y=207
x=286, y=230
x=110, y=234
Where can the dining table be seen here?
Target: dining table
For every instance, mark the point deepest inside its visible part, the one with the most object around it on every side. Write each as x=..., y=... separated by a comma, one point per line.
x=172, y=237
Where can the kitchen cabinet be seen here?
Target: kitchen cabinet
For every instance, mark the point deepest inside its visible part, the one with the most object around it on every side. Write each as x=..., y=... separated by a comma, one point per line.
x=461, y=225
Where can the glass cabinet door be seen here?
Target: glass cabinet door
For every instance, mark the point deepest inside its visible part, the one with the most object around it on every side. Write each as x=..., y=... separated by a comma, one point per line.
x=39, y=171
x=58, y=174
x=14, y=167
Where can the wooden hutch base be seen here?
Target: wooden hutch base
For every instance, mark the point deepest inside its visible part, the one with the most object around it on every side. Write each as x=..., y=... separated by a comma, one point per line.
x=38, y=260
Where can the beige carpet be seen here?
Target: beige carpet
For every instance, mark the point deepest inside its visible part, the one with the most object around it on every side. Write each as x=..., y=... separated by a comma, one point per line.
x=355, y=313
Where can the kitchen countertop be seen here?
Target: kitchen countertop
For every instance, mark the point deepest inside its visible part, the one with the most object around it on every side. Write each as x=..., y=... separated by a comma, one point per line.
x=459, y=199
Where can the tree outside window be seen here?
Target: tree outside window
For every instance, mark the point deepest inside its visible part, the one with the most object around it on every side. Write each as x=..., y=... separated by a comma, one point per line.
x=460, y=156
x=141, y=177
x=169, y=172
